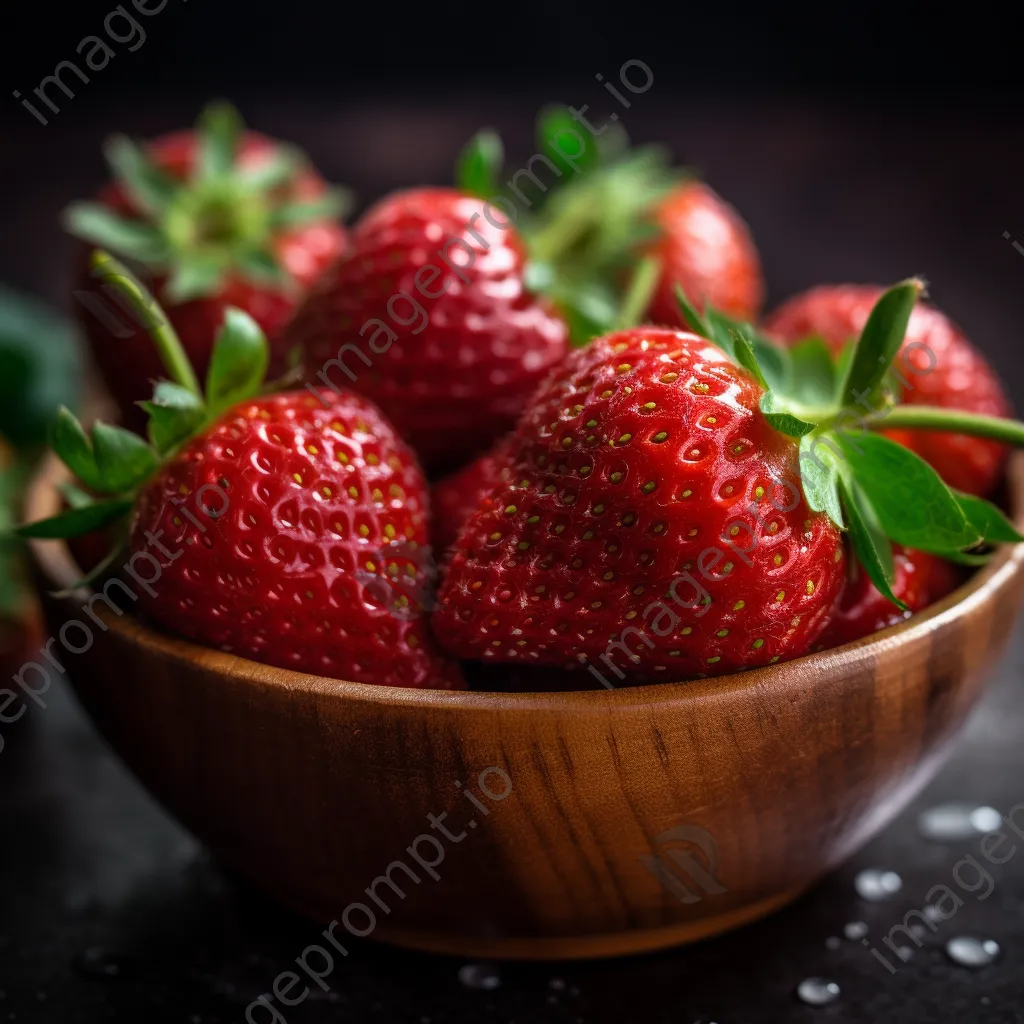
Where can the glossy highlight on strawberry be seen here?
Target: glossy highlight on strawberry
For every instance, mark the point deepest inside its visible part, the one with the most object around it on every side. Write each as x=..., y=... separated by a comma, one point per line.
x=705, y=249
x=648, y=502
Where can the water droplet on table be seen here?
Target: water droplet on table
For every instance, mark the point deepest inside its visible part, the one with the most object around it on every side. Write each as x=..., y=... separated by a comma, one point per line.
x=955, y=822
x=904, y=953
x=556, y=985
x=480, y=976
x=817, y=991
x=968, y=951
x=833, y=942
x=855, y=930
x=876, y=885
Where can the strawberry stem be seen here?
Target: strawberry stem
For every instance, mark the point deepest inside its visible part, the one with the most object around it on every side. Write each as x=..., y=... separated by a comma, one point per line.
x=638, y=294
x=926, y=417
x=151, y=316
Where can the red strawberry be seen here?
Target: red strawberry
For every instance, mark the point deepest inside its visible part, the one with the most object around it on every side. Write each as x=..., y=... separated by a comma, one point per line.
x=430, y=317
x=278, y=528
x=919, y=580
x=648, y=500
x=706, y=249
x=456, y=497
x=953, y=375
x=313, y=496
x=219, y=218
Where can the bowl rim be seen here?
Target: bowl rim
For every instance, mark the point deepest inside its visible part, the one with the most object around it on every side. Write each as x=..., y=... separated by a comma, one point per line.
x=57, y=566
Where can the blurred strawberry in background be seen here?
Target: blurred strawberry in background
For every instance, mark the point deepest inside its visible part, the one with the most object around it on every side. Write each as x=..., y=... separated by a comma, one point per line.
x=214, y=217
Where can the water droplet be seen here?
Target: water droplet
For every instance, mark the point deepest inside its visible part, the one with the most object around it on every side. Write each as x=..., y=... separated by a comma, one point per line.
x=968, y=951
x=817, y=991
x=481, y=976
x=833, y=942
x=933, y=914
x=855, y=930
x=556, y=985
x=904, y=953
x=875, y=885
x=97, y=962
x=955, y=822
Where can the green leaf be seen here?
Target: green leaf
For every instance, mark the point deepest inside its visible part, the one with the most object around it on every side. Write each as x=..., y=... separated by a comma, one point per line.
x=638, y=294
x=149, y=188
x=239, y=362
x=743, y=353
x=988, y=520
x=276, y=170
x=696, y=323
x=264, y=269
x=74, y=496
x=194, y=278
x=124, y=460
x=175, y=413
x=220, y=129
x=479, y=165
x=334, y=203
x=78, y=521
x=811, y=380
x=782, y=420
x=74, y=449
x=772, y=360
x=555, y=125
x=870, y=545
x=40, y=368
x=819, y=475
x=99, y=225
x=880, y=340
x=914, y=506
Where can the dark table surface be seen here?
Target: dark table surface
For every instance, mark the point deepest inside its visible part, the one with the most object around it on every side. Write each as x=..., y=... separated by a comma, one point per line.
x=109, y=911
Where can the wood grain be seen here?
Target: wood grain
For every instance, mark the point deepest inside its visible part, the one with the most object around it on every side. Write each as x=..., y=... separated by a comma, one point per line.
x=312, y=787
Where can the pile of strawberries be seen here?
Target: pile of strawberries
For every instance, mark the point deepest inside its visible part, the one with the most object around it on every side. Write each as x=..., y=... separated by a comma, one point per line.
x=544, y=435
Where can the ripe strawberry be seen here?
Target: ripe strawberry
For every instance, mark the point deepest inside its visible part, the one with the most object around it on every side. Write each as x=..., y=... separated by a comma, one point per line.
x=919, y=580
x=456, y=497
x=429, y=316
x=648, y=500
x=314, y=493
x=258, y=523
x=706, y=249
x=954, y=375
x=219, y=217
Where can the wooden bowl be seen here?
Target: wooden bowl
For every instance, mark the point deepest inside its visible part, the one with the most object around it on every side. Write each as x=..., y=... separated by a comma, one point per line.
x=616, y=821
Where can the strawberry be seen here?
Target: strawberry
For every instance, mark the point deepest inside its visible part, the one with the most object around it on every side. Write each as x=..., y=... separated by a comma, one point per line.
x=942, y=369
x=429, y=315
x=454, y=498
x=706, y=249
x=255, y=522
x=648, y=515
x=218, y=217
x=919, y=579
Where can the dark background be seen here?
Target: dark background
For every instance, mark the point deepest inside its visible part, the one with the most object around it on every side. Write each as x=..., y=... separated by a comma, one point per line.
x=861, y=142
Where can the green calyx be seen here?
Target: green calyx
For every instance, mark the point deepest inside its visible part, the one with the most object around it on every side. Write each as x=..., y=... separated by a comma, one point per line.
x=875, y=490
x=223, y=220
x=584, y=205
x=112, y=464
